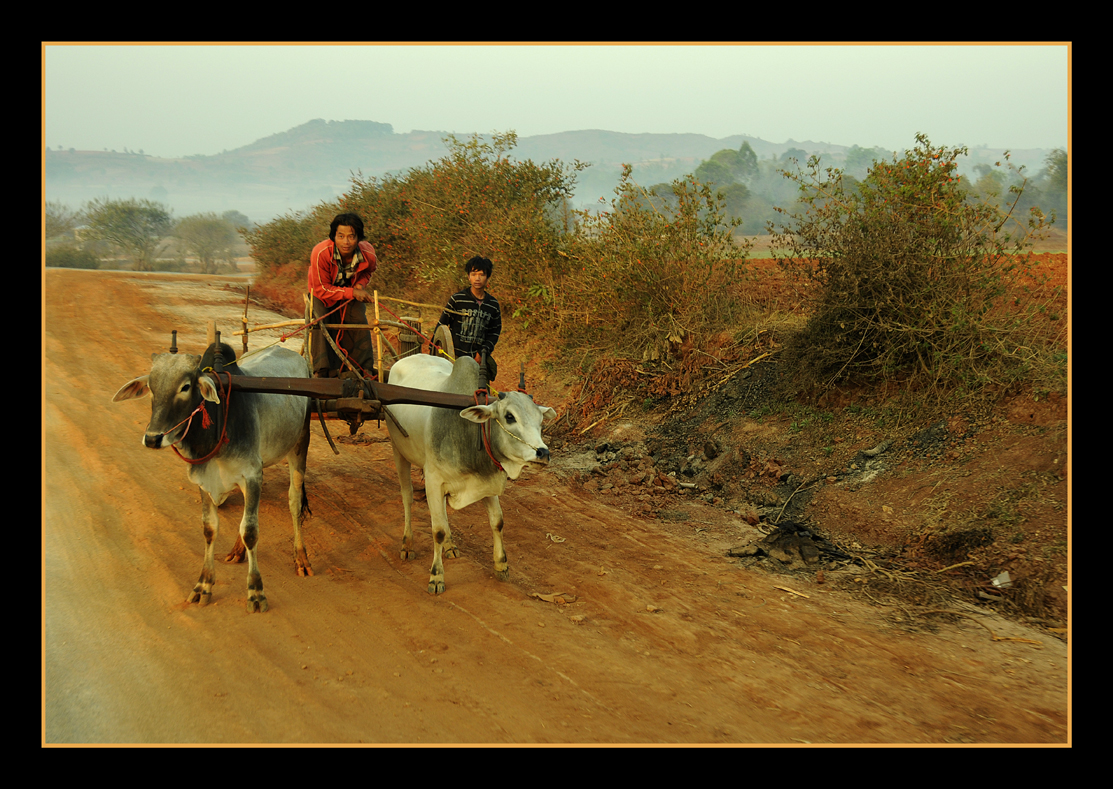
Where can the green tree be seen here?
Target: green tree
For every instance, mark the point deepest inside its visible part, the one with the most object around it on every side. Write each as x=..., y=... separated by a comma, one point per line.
x=714, y=172
x=1053, y=183
x=728, y=167
x=207, y=236
x=735, y=197
x=135, y=226
x=859, y=160
x=237, y=220
x=747, y=164
x=908, y=271
x=990, y=184
x=799, y=155
x=67, y=255
x=60, y=219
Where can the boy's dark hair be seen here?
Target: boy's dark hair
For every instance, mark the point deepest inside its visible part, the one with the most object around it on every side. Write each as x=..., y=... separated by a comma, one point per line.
x=481, y=264
x=351, y=220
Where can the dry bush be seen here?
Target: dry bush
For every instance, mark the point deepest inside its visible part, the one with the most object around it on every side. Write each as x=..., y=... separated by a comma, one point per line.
x=908, y=273
x=654, y=275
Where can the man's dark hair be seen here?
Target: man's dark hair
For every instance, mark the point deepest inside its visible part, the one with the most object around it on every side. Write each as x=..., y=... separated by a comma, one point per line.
x=479, y=263
x=351, y=220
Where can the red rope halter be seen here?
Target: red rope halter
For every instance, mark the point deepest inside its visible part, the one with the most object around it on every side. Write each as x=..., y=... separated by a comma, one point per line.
x=485, y=427
x=206, y=422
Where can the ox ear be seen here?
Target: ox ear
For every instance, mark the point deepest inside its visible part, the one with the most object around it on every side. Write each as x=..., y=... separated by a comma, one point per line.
x=478, y=413
x=137, y=387
x=547, y=414
x=208, y=389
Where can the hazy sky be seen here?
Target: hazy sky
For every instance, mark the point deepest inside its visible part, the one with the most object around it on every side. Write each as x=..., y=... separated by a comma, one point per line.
x=200, y=99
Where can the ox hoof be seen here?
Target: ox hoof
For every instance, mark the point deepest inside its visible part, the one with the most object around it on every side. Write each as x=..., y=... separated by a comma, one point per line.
x=301, y=565
x=257, y=606
x=238, y=554
x=435, y=586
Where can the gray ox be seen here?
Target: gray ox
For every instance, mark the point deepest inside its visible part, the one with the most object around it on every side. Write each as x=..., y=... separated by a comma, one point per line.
x=446, y=445
x=261, y=430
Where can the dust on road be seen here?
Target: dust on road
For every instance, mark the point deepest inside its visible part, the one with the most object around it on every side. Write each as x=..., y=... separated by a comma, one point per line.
x=668, y=640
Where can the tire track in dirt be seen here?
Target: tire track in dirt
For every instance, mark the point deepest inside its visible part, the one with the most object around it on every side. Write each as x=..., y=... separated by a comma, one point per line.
x=361, y=653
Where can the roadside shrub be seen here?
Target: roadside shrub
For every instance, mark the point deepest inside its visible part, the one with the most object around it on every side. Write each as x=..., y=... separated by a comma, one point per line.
x=904, y=270
x=69, y=256
x=474, y=201
x=656, y=274
x=287, y=239
x=282, y=289
x=657, y=271
x=427, y=223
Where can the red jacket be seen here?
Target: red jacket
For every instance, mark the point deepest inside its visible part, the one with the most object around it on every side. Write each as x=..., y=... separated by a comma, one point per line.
x=322, y=272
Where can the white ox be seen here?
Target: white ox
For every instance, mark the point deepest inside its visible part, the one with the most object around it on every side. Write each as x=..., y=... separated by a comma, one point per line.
x=188, y=413
x=446, y=444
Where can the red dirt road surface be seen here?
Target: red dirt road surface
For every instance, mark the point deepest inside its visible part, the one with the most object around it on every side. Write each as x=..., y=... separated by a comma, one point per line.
x=661, y=638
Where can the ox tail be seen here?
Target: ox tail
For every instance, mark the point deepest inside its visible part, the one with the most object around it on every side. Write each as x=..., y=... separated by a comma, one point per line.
x=305, y=511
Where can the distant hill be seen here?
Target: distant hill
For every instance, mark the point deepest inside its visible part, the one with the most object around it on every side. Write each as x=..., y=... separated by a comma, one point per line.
x=297, y=168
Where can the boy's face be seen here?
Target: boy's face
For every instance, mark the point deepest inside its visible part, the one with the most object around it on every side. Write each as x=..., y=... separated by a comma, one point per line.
x=478, y=280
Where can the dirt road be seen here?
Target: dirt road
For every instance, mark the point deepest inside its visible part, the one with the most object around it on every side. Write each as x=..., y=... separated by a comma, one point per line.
x=667, y=640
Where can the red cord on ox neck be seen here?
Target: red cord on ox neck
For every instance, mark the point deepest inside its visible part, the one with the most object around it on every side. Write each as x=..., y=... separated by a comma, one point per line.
x=206, y=422
x=485, y=427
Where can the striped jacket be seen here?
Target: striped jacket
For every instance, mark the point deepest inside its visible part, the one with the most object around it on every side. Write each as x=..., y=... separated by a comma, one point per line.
x=479, y=328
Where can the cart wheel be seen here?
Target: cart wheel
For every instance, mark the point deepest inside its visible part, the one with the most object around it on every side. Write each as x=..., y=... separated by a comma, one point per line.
x=444, y=337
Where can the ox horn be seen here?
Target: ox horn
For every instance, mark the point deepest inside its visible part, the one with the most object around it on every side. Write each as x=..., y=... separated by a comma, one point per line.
x=174, y=341
x=218, y=356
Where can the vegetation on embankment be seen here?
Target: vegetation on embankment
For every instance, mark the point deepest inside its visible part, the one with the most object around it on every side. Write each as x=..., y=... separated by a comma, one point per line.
x=905, y=275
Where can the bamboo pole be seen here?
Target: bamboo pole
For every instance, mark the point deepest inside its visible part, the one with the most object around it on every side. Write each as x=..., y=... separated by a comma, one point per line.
x=419, y=304
x=246, y=301
x=305, y=297
x=284, y=324
x=378, y=335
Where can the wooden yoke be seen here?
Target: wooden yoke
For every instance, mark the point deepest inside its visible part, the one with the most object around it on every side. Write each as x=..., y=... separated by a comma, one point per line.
x=347, y=388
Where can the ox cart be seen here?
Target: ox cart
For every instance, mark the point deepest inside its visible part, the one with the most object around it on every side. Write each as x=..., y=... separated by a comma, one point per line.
x=352, y=397
x=231, y=446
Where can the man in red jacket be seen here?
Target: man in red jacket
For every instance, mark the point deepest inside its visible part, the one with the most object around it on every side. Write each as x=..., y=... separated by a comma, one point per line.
x=339, y=271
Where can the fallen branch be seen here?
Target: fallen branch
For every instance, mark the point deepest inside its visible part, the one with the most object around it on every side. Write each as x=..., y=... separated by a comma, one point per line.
x=953, y=566
x=792, y=591
x=798, y=489
x=605, y=417
x=755, y=360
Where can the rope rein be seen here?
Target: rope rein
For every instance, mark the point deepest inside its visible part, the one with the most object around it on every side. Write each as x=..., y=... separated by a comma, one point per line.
x=288, y=335
x=517, y=438
x=485, y=427
x=206, y=422
x=485, y=430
